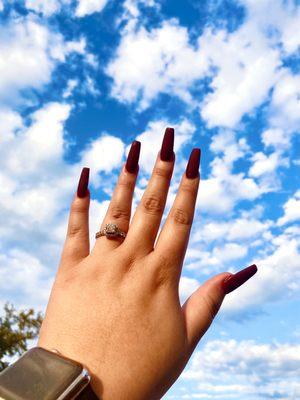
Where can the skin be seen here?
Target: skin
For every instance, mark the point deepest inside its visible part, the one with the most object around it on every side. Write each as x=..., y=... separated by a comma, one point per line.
x=116, y=309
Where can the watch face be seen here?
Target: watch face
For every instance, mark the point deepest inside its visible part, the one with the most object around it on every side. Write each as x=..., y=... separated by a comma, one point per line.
x=38, y=375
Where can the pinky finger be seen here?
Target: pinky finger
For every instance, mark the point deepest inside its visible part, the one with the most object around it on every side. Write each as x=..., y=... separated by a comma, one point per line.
x=77, y=243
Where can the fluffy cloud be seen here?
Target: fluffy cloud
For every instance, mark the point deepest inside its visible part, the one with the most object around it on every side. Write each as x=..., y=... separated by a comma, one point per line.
x=243, y=228
x=24, y=279
x=223, y=188
x=29, y=53
x=98, y=156
x=263, y=164
x=245, y=62
x=234, y=370
x=277, y=277
x=87, y=7
x=285, y=106
x=246, y=68
x=187, y=286
x=164, y=55
x=36, y=190
x=243, y=66
x=46, y=8
x=276, y=138
x=291, y=210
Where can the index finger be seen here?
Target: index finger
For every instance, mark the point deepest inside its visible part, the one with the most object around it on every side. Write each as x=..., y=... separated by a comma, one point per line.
x=174, y=236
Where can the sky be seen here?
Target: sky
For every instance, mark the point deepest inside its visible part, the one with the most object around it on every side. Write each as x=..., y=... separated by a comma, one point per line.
x=80, y=80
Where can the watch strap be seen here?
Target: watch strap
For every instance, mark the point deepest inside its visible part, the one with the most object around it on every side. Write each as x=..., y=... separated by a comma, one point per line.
x=87, y=394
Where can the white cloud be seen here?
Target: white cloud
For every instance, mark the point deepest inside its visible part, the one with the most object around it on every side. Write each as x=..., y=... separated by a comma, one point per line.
x=219, y=195
x=291, y=210
x=278, y=275
x=246, y=72
x=223, y=189
x=37, y=186
x=24, y=275
x=46, y=8
x=87, y=7
x=98, y=156
x=131, y=13
x=285, y=17
x=285, y=105
x=90, y=87
x=244, y=65
x=243, y=228
x=291, y=33
x=71, y=85
x=263, y=164
x=276, y=138
x=164, y=55
x=230, y=252
x=187, y=286
x=244, y=370
x=29, y=53
x=1, y=6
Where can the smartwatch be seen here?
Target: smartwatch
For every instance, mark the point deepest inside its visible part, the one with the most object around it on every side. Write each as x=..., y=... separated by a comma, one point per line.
x=40, y=374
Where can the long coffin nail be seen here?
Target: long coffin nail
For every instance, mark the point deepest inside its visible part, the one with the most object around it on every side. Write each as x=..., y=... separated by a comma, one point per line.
x=192, y=168
x=83, y=182
x=236, y=280
x=133, y=156
x=166, y=151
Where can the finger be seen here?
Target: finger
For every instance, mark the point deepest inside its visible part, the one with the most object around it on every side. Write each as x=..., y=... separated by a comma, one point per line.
x=147, y=217
x=77, y=243
x=203, y=305
x=174, y=236
x=119, y=209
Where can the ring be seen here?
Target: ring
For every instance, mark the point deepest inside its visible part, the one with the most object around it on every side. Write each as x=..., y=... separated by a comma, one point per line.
x=110, y=231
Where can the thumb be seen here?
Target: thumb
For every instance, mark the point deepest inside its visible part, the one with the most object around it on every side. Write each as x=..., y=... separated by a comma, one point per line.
x=203, y=305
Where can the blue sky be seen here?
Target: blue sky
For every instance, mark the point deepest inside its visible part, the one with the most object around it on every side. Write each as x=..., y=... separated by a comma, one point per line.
x=80, y=80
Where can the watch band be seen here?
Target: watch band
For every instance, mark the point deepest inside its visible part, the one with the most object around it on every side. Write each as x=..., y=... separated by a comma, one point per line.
x=87, y=394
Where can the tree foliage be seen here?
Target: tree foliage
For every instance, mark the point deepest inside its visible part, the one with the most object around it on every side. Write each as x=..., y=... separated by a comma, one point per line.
x=16, y=328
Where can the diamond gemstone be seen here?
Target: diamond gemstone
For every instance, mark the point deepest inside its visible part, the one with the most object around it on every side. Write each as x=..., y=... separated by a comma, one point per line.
x=111, y=230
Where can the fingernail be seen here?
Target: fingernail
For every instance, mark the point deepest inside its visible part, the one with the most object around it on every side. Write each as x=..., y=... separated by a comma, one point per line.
x=83, y=182
x=236, y=280
x=166, y=151
x=192, y=168
x=133, y=156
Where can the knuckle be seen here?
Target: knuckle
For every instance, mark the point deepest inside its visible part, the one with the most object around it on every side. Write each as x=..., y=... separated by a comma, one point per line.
x=181, y=216
x=74, y=230
x=152, y=204
x=126, y=183
x=189, y=187
x=118, y=212
x=162, y=173
x=78, y=207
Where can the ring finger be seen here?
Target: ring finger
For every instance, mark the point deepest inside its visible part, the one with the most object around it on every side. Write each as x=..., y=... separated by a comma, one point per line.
x=119, y=210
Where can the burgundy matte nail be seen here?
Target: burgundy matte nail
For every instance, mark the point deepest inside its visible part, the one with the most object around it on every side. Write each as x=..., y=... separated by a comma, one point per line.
x=192, y=168
x=166, y=151
x=83, y=182
x=133, y=156
x=236, y=280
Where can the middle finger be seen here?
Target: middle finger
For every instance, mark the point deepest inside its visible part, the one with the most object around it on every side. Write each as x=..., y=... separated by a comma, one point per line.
x=146, y=220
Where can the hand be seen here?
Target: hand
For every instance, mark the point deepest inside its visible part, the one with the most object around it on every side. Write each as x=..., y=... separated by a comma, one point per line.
x=116, y=309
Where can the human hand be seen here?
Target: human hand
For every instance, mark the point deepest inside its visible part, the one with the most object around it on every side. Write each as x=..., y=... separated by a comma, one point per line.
x=116, y=309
